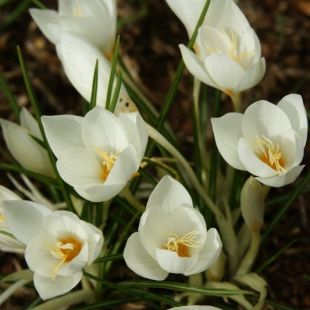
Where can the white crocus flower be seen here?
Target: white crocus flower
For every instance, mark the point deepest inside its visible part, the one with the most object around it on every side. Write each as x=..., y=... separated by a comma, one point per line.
x=228, y=52
x=97, y=154
x=172, y=236
x=78, y=57
x=58, y=244
x=93, y=20
x=8, y=244
x=29, y=153
x=268, y=140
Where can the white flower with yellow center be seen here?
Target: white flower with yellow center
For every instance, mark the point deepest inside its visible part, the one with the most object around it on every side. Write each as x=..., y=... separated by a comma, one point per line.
x=78, y=57
x=93, y=20
x=58, y=244
x=8, y=244
x=29, y=153
x=97, y=154
x=172, y=236
x=227, y=51
x=268, y=140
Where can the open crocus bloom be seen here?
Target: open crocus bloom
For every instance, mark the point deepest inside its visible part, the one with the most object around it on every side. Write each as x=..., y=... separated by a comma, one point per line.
x=94, y=20
x=29, y=153
x=97, y=154
x=268, y=140
x=58, y=244
x=8, y=244
x=172, y=236
x=78, y=57
x=228, y=52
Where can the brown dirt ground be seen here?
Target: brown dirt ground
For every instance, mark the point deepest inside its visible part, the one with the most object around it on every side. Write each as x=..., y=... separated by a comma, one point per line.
x=149, y=48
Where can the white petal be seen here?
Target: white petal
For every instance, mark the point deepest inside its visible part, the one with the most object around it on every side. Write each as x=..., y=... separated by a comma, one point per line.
x=45, y=19
x=99, y=193
x=49, y=289
x=227, y=133
x=102, y=129
x=124, y=167
x=138, y=260
x=29, y=122
x=95, y=241
x=187, y=12
x=24, y=218
x=6, y=194
x=169, y=194
x=251, y=162
x=79, y=167
x=172, y=262
x=10, y=245
x=252, y=76
x=294, y=108
x=78, y=58
x=224, y=71
x=156, y=225
x=196, y=66
x=62, y=132
x=264, y=118
x=136, y=131
x=292, y=149
x=282, y=180
x=209, y=253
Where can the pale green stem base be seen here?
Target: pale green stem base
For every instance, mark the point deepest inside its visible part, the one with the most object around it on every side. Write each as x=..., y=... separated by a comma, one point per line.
x=126, y=193
x=250, y=256
x=68, y=300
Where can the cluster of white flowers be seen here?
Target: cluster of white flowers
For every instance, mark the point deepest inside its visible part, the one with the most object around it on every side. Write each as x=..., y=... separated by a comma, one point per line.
x=100, y=153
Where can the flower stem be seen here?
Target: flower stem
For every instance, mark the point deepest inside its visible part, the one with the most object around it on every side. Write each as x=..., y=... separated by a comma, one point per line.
x=250, y=256
x=126, y=193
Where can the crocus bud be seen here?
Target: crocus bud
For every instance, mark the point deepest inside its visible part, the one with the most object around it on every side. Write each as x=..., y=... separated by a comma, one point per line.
x=252, y=204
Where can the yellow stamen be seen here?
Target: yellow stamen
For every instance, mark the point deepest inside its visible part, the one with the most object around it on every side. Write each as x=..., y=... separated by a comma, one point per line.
x=270, y=155
x=65, y=250
x=108, y=162
x=182, y=245
x=232, y=51
x=78, y=12
x=2, y=219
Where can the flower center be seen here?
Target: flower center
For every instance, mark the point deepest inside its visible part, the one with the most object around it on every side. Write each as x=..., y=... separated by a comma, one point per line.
x=271, y=154
x=107, y=163
x=182, y=245
x=2, y=220
x=78, y=12
x=232, y=51
x=65, y=250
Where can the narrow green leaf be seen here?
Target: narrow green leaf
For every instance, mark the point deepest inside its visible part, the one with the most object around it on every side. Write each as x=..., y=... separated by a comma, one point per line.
x=181, y=287
x=135, y=17
x=273, y=257
x=118, y=86
x=37, y=176
x=147, y=176
x=16, y=13
x=285, y=208
x=37, y=113
x=93, y=97
x=107, y=258
x=9, y=96
x=112, y=75
x=2, y=232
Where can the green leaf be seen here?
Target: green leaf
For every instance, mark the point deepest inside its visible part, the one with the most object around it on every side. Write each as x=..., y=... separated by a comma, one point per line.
x=180, y=287
x=9, y=96
x=285, y=208
x=112, y=75
x=275, y=256
x=93, y=97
